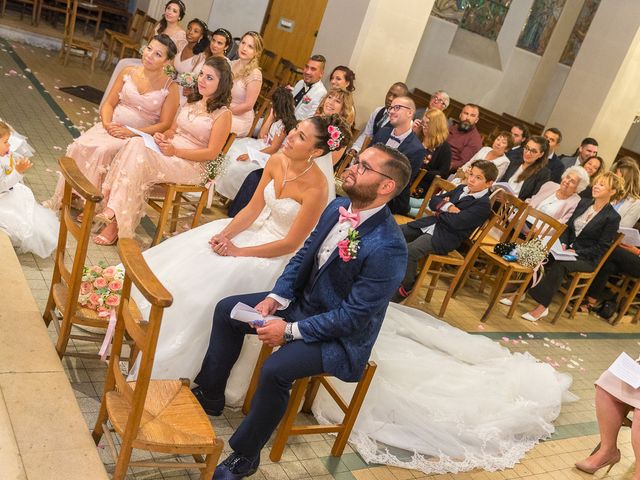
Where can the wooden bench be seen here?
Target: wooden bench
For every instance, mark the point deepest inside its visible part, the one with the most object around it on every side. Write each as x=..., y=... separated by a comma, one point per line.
x=42, y=431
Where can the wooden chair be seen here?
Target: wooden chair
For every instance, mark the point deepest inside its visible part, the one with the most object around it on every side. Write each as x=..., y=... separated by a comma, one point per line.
x=69, y=42
x=268, y=61
x=23, y=3
x=455, y=265
x=174, y=199
x=282, y=71
x=154, y=415
x=579, y=283
x=54, y=6
x=261, y=113
x=628, y=291
x=65, y=283
x=133, y=34
x=500, y=273
x=125, y=46
x=438, y=185
x=306, y=389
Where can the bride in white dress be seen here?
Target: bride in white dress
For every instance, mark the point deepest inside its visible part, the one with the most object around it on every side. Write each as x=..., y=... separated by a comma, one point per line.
x=240, y=255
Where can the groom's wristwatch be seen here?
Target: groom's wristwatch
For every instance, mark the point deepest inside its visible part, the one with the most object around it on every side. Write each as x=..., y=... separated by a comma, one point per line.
x=288, y=333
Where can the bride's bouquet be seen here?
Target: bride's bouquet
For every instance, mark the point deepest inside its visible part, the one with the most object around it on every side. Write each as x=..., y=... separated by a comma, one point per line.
x=101, y=288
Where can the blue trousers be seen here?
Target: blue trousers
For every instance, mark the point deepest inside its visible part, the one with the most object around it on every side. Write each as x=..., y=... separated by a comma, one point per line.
x=292, y=361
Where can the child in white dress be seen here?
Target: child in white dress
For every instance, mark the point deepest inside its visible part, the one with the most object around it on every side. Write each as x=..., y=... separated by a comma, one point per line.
x=30, y=226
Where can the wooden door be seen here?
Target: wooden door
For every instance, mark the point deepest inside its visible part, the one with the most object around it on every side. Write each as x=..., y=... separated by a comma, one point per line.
x=291, y=26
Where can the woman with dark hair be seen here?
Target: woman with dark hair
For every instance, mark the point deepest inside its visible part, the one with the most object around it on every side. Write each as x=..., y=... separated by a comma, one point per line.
x=220, y=43
x=244, y=254
x=526, y=176
x=174, y=11
x=247, y=82
x=279, y=123
x=141, y=97
x=197, y=136
x=343, y=77
x=192, y=56
x=594, y=167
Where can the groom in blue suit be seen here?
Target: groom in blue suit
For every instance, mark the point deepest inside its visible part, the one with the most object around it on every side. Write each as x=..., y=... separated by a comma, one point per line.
x=332, y=302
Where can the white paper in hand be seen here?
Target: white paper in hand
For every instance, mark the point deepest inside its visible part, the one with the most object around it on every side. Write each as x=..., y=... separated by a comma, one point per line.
x=560, y=254
x=631, y=236
x=626, y=369
x=244, y=313
x=256, y=156
x=149, y=142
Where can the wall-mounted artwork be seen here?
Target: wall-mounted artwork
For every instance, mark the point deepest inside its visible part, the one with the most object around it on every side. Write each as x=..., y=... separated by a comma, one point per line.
x=484, y=17
x=579, y=31
x=542, y=20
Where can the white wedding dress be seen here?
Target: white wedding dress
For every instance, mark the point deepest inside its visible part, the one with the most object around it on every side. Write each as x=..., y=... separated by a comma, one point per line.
x=198, y=278
x=443, y=400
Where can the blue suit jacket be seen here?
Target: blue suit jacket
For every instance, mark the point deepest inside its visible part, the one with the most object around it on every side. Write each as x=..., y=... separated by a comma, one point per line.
x=415, y=152
x=342, y=304
x=454, y=228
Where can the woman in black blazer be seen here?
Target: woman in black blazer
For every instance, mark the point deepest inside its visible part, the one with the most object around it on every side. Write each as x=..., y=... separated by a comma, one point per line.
x=530, y=173
x=589, y=233
x=432, y=131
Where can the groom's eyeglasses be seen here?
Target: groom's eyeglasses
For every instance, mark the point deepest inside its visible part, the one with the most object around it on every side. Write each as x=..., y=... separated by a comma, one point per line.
x=362, y=167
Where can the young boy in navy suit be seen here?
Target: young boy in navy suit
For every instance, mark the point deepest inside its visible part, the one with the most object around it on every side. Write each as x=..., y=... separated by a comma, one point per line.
x=457, y=214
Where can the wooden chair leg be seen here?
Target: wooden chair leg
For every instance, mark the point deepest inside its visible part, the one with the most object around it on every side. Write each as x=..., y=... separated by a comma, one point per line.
x=211, y=460
x=63, y=337
x=497, y=292
x=175, y=212
x=578, y=301
x=201, y=203
x=519, y=295
x=253, y=384
x=435, y=276
x=167, y=205
x=354, y=408
x=565, y=301
x=451, y=290
x=122, y=463
x=310, y=394
x=279, y=442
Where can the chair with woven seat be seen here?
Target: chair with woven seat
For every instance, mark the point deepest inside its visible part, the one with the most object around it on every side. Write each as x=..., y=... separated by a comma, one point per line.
x=154, y=415
x=452, y=265
x=626, y=297
x=133, y=34
x=70, y=42
x=305, y=390
x=65, y=283
x=579, y=283
x=500, y=273
x=174, y=199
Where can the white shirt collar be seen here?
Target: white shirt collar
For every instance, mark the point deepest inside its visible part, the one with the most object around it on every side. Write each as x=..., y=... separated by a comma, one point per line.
x=476, y=195
x=367, y=214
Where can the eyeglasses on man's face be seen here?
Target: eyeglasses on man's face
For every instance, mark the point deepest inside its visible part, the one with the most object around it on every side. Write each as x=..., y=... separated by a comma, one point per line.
x=396, y=108
x=439, y=100
x=362, y=167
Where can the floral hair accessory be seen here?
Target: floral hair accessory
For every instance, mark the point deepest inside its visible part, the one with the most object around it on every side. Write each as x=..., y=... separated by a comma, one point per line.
x=335, y=137
x=348, y=248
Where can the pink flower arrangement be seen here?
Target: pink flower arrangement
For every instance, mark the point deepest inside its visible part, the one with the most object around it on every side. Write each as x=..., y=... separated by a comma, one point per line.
x=348, y=248
x=335, y=137
x=101, y=288
x=306, y=99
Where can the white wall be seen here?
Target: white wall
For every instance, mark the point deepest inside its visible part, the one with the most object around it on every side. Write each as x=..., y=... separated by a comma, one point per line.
x=435, y=68
x=237, y=16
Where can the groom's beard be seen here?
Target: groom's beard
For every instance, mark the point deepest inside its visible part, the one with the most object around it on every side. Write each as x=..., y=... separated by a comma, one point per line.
x=361, y=196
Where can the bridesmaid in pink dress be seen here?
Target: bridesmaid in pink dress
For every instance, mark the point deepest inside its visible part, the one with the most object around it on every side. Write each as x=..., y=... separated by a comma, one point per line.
x=247, y=82
x=174, y=11
x=142, y=97
x=196, y=137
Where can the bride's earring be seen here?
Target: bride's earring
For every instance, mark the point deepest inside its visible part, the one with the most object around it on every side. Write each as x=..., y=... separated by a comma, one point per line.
x=310, y=159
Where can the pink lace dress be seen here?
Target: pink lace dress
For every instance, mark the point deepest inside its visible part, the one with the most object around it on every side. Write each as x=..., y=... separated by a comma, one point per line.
x=241, y=123
x=136, y=168
x=95, y=149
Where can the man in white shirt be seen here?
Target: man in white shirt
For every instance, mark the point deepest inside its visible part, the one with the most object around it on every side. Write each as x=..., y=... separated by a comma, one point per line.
x=380, y=116
x=309, y=91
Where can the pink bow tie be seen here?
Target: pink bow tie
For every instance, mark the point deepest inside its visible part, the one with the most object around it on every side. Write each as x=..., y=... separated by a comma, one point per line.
x=345, y=216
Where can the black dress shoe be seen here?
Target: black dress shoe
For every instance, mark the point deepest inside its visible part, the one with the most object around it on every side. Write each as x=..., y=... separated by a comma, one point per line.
x=236, y=467
x=211, y=406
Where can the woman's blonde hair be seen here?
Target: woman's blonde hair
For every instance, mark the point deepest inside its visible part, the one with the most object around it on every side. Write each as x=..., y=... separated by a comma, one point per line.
x=255, y=61
x=630, y=173
x=613, y=182
x=438, y=129
x=348, y=110
x=4, y=129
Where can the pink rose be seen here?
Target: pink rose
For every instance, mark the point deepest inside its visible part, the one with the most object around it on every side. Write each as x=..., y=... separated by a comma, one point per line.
x=109, y=272
x=113, y=300
x=96, y=268
x=335, y=134
x=115, y=285
x=85, y=288
x=103, y=311
x=100, y=282
x=95, y=299
x=343, y=250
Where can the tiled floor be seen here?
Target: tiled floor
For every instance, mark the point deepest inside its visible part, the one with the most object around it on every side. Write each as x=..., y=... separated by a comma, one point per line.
x=583, y=347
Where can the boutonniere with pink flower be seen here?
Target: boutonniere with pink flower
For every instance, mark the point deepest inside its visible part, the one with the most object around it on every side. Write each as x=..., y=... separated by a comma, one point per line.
x=101, y=288
x=306, y=99
x=348, y=248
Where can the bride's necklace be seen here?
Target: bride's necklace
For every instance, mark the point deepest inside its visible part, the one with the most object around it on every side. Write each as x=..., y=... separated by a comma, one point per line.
x=286, y=169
